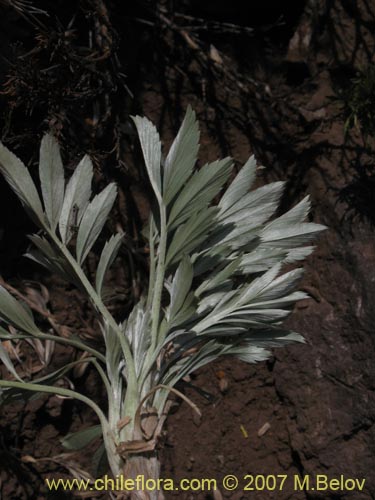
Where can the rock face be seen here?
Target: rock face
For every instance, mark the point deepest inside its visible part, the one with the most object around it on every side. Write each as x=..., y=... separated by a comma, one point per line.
x=329, y=387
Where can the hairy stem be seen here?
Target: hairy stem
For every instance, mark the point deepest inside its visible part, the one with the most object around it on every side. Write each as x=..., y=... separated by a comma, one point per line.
x=131, y=398
x=74, y=343
x=159, y=281
x=152, y=262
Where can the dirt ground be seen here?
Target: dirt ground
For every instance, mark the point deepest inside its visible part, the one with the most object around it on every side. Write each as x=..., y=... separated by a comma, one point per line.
x=317, y=400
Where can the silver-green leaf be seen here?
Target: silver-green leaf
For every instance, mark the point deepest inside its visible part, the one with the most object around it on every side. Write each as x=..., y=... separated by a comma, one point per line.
x=12, y=312
x=4, y=357
x=94, y=219
x=240, y=185
x=51, y=173
x=19, y=179
x=77, y=195
x=107, y=257
x=151, y=148
x=182, y=156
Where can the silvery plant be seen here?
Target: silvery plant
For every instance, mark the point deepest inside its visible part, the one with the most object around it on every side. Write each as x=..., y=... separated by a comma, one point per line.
x=216, y=283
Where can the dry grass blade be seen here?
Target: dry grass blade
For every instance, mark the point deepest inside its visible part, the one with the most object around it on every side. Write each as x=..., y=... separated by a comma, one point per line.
x=66, y=460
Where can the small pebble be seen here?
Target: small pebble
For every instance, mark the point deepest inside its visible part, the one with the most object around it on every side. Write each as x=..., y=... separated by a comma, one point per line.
x=265, y=428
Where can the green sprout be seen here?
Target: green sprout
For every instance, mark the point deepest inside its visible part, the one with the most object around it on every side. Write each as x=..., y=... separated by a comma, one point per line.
x=216, y=286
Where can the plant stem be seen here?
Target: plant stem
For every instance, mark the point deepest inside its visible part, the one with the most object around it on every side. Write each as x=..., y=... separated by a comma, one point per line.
x=104, y=378
x=74, y=343
x=144, y=465
x=159, y=281
x=132, y=383
x=152, y=261
x=155, y=291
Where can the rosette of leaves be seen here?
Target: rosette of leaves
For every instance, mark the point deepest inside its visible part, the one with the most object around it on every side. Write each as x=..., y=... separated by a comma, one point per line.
x=216, y=283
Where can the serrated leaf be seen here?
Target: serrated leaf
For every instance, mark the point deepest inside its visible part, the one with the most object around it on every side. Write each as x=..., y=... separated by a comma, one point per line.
x=262, y=258
x=187, y=312
x=180, y=287
x=239, y=186
x=93, y=220
x=240, y=225
x=268, y=194
x=249, y=353
x=253, y=350
x=295, y=215
x=254, y=315
x=37, y=257
x=78, y=440
x=77, y=195
x=182, y=156
x=296, y=254
x=107, y=257
x=51, y=174
x=234, y=300
x=257, y=287
x=12, y=312
x=272, y=337
x=199, y=191
x=282, y=285
x=290, y=235
x=48, y=257
x=251, y=216
x=284, y=301
x=19, y=179
x=178, y=370
x=151, y=148
x=219, y=276
x=5, y=359
x=189, y=235
x=48, y=252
